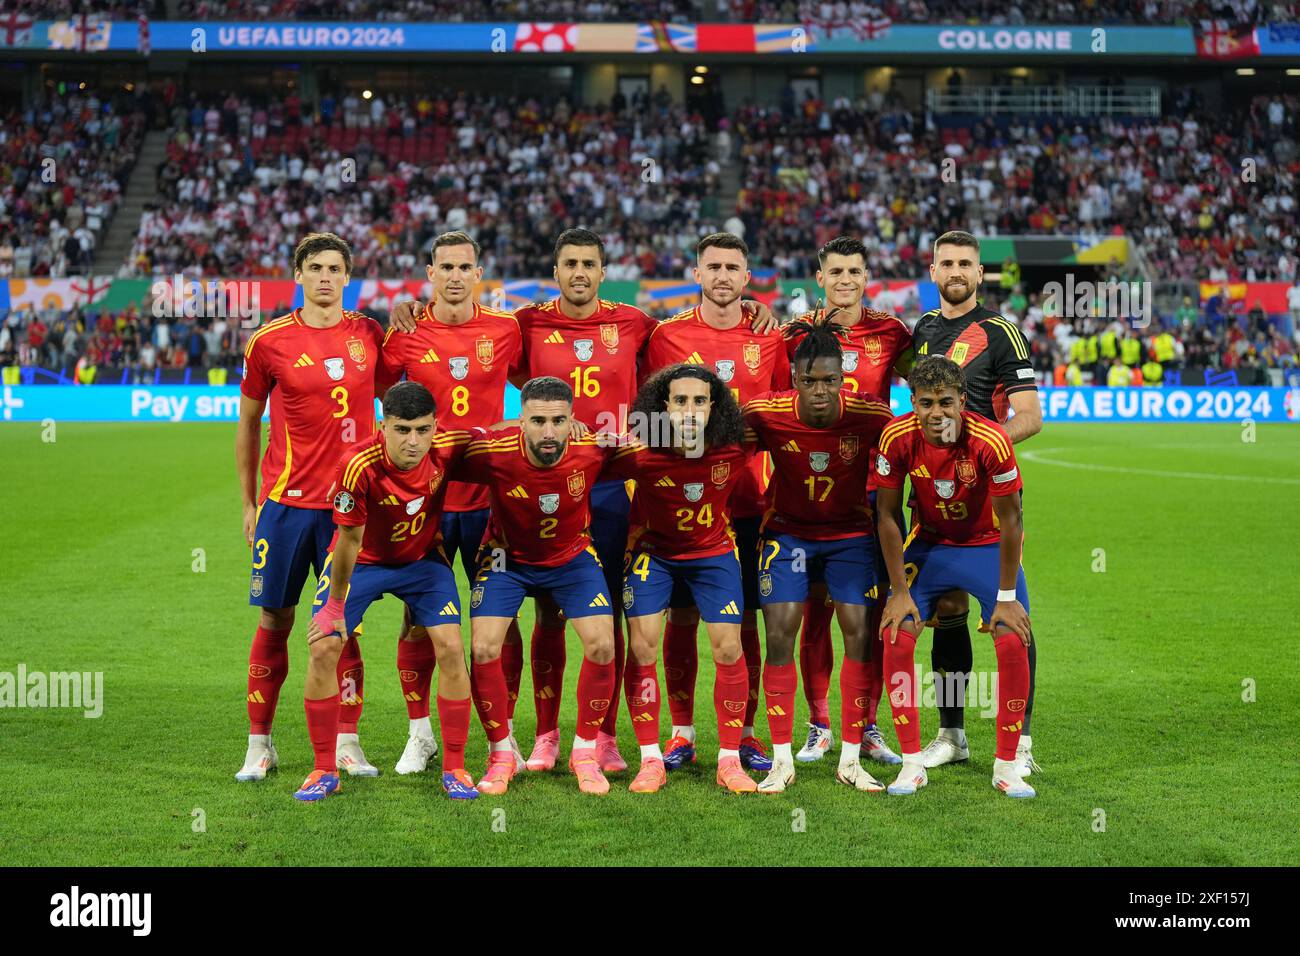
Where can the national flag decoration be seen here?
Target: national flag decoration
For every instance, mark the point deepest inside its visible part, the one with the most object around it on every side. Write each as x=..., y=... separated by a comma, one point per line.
x=1221, y=40
x=864, y=28
x=670, y=295
x=786, y=38
x=517, y=292
x=764, y=285
x=90, y=290
x=659, y=36
x=143, y=43
x=86, y=34
x=546, y=38
x=15, y=29
x=383, y=294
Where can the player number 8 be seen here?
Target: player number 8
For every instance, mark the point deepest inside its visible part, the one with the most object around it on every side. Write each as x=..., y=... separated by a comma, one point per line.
x=460, y=401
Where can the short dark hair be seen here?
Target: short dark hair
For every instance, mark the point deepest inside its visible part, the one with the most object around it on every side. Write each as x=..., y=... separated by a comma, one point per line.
x=842, y=246
x=935, y=373
x=314, y=243
x=579, y=237
x=546, y=388
x=454, y=238
x=408, y=401
x=721, y=240
x=726, y=424
x=956, y=237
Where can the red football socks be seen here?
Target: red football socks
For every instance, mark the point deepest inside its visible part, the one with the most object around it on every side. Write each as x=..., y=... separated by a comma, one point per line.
x=610, y=724
x=779, y=686
x=730, y=699
x=595, y=689
x=876, y=666
x=453, y=718
x=900, y=681
x=323, y=729
x=512, y=668
x=547, y=647
x=268, y=666
x=817, y=658
x=753, y=656
x=415, y=661
x=1013, y=689
x=855, y=680
x=491, y=698
x=352, y=679
x=641, y=685
x=681, y=663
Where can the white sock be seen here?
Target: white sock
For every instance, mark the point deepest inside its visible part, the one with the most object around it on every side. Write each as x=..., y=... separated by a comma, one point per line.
x=580, y=744
x=723, y=754
x=347, y=739
x=500, y=746
x=850, y=753
x=684, y=730
x=651, y=752
x=746, y=732
x=782, y=752
x=1024, y=739
x=420, y=727
x=956, y=734
x=259, y=740
x=913, y=760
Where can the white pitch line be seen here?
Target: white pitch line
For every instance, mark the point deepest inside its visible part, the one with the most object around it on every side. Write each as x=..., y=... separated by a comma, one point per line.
x=1037, y=457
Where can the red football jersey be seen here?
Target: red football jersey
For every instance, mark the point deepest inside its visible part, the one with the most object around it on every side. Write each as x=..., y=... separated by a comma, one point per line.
x=750, y=364
x=597, y=356
x=951, y=484
x=402, y=510
x=466, y=367
x=540, y=516
x=321, y=384
x=680, y=509
x=819, y=475
x=872, y=346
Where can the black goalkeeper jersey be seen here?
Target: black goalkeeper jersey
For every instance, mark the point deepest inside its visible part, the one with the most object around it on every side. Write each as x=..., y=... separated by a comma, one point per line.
x=991, y=351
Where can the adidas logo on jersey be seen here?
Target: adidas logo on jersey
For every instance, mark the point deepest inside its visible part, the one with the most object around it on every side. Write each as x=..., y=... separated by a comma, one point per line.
x=390, y=500
x=555, y=338
x=599, y=601
x=665, y=482
x=920, y=472
x=545, y=693
x=517, y=492
x=303, y=361
x=791, y=445
x=694, y=359
x=413, y=697
x=735, y=723
x=429, y=357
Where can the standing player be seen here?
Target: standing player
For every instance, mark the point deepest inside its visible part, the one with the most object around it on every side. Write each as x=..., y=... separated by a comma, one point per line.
x=966, y=535
x=875, y=346
x=717, y=335
x=318, y=367
x=818, y=519
x=463, y=353
x=539, y=541
x=387, y=505
x=687, y=461
x=995, y=360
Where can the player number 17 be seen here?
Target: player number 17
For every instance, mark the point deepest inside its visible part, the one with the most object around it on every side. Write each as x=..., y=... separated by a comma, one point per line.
x=813, y=484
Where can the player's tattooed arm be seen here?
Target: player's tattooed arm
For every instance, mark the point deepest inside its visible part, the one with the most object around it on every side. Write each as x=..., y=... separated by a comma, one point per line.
x=1009, y=615
x=1028, y=420
x=248, y=444
x=889, y=527
x=403, y=315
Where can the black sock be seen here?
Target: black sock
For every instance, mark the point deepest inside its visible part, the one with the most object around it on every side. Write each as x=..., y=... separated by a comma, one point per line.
x=1029, y=702
x=951, y=659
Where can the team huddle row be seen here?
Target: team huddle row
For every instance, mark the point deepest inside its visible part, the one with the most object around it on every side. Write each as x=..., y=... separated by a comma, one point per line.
x=703, y=468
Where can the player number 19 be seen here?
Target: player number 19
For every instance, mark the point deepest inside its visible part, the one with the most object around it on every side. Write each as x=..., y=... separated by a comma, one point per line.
x=956, y=511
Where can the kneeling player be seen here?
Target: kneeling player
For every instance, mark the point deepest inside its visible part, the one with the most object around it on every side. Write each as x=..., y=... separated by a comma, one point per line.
x=820, y=439
x=967, y=537
x=387, y=506
x=538, y=542
x=681, y=535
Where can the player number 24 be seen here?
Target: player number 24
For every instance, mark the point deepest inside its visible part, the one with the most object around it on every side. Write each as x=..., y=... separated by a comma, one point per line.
x=703, y=518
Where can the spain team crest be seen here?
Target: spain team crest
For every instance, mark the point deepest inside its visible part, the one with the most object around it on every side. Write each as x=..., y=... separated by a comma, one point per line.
x=966, y=471
x=753, y=355
x=577, y=484
x=959, y=352
x=476, y=596
x=434, y=482
x=871, y=348
x=849, y=447
x=484, y=351
x=609, y=335
x=721, y=472
x=357, y=350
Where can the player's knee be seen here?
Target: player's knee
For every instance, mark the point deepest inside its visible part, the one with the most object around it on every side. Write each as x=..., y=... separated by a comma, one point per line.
x=277, y=619
x=484, y=652
x=600, y=649
x=952, y=604
x=645, y=650
x=728, y=652
x=326, y=651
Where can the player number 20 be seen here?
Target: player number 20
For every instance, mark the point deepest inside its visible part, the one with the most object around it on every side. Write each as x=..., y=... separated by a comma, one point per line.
x=703, y=518
x=814, y=482
x=585, y=383
x=413, y=526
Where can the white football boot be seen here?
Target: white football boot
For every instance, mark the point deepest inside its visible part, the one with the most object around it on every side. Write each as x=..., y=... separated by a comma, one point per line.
x=852, y=774
x=820, y=740
x=419, y=751
x=949, y=746
x=778, y=778
x=260, y=758
x=1025, y=763
x=1006, y=779
x=876, y=747
x=910, y=779
x=348, y=755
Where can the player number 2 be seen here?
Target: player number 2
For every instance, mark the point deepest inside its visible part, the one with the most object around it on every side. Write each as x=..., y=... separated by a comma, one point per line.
x=813, y=484
x=704, y=518
x=585, y=383
x=956, y=511
x=548, y=527
x=413, y=526
x=460, y=401
x=340, y=395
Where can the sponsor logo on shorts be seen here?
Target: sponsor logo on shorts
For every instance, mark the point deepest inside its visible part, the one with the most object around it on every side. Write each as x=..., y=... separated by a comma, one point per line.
x=258, y=670
x=628, y=599
x=765, y=584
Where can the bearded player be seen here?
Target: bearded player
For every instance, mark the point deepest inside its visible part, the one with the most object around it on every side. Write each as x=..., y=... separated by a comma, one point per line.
x=318, y=367
x=875, y=346
x=717, y=334
x=818, y=521
x=387, y=504
x=463, y=353
x=686, y=458
x=966, y=535
x=999, y=380
x=539, y=542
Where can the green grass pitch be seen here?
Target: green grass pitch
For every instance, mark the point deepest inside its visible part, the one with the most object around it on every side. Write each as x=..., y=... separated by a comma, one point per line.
x=1154, y=747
